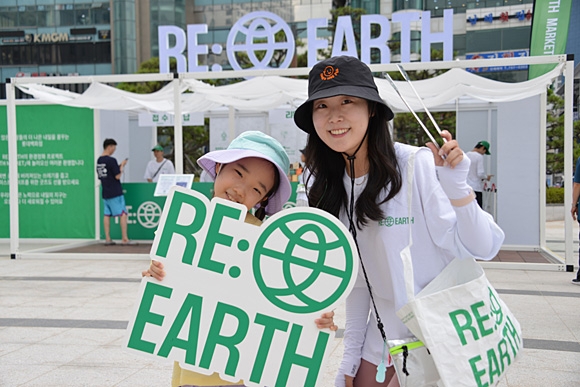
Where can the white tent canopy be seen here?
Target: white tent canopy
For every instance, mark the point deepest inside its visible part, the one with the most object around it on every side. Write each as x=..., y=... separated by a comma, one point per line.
x=269, y=92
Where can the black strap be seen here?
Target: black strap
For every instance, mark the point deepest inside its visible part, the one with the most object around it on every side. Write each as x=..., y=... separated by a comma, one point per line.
x=352, y=229
x=161, y=166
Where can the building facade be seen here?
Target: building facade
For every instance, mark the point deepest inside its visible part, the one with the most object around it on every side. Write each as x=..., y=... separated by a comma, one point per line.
x=62, y=37
x=40, y=38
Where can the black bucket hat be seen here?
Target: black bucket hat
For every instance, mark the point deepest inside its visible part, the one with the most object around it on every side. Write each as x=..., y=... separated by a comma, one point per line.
x=340, y=75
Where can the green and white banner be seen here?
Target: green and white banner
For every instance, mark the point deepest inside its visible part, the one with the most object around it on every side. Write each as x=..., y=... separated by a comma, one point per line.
x=144, y=209
x=56, y=172
x=239, y=299
x=549, y=32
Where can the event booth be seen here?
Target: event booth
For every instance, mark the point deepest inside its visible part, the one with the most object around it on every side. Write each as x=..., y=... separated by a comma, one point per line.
x=512, y=116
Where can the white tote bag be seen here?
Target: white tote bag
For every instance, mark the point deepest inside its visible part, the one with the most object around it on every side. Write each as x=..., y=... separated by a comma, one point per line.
x=467, y=329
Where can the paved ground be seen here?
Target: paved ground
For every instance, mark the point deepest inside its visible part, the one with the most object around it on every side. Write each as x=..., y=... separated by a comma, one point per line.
x=62, y=323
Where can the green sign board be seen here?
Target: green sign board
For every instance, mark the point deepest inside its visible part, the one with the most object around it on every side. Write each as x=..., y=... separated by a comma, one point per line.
x=56, y=172
x=241, y=300
x=549, y=32
x=145, y=209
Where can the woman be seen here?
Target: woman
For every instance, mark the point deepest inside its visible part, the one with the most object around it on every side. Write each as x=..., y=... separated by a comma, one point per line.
x=360, y=176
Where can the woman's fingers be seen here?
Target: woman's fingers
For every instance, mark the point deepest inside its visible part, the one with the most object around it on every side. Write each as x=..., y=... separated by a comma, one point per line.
x=450, y=154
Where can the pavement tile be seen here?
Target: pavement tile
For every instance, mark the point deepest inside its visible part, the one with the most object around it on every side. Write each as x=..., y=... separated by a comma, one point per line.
x=545, y=303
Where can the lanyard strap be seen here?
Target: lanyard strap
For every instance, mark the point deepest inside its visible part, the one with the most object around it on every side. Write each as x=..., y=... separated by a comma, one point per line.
x=352, y=229
x=405, y=254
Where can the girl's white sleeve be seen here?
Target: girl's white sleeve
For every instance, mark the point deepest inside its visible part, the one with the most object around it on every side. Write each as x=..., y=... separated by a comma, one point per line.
x=357, y=315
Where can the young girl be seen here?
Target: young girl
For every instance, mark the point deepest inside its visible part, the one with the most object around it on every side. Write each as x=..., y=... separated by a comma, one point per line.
x=252, y=171
x=359, y=175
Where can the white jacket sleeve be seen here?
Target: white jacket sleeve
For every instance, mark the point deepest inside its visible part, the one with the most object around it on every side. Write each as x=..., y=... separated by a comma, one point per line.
x=476, y=230
x=466, y=231
x=357, y=315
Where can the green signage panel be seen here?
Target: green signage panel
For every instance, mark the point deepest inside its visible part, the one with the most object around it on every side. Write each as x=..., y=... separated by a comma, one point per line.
x=145, y=209
x=56, y=172
x=549, y=32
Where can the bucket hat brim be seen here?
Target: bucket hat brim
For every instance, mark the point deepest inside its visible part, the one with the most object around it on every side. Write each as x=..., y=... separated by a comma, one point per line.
x=349, y=76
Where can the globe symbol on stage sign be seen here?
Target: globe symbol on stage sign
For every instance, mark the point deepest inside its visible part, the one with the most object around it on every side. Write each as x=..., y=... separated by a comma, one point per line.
x=302, y=262
x=255, y=35
x=148, y=214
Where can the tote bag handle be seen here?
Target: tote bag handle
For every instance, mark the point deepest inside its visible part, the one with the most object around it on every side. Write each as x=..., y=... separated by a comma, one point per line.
x=406, y=252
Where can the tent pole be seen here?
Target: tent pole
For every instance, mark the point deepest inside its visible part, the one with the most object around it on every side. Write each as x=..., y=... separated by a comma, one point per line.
x=12, y=168
x=231, y=123
x=542, y=177
x=97, y=146
x=568, y=150
x=177, y=126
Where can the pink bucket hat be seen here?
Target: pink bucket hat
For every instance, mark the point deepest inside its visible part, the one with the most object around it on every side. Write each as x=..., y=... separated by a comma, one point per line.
x=254, y=144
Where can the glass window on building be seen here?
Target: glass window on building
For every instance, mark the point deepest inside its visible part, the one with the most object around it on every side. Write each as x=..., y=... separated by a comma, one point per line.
x=83, y=15
x=399, y=5
x=8, y=17
x=46, y=16
x=48, y=54
x=27, y=16
x=372, y=7
x=461, y=6
x=65, y=15
x=85, y=53
x=101, y=13
x=103, y=52
x=498, y=39
x=55, y=54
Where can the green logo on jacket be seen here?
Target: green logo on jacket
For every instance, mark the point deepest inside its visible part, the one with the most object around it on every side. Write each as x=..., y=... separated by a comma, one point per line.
x=395, y=221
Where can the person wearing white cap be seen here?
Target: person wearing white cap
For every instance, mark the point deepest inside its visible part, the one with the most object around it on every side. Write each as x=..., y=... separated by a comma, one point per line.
x=158, y=166
x=253, y=171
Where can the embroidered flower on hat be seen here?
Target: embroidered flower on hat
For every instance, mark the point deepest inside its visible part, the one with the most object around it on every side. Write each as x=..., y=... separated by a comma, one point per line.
x=328, y=73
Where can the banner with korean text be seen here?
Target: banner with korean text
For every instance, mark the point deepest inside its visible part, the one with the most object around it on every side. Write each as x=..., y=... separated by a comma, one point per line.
x=56, y=172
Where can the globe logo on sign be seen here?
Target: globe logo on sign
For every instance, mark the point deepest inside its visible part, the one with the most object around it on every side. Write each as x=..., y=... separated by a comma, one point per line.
x=148, y=214
x=302, y=262
x=254, y=35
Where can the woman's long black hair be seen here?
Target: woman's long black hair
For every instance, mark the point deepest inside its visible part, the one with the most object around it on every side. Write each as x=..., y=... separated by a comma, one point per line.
x=327, y=168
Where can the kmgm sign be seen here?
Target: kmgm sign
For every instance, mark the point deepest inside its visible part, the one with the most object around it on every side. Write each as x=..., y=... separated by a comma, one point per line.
x=256, y=32
x=241, y=300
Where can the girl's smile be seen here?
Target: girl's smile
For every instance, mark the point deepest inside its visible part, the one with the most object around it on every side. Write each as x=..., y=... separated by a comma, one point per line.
x=246, y=181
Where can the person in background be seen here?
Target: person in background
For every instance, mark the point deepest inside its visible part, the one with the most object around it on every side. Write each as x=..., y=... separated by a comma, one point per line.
x=109, y=172
x=575, y=198
x=158, y=166
x=304, y=182
x=476, y=175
